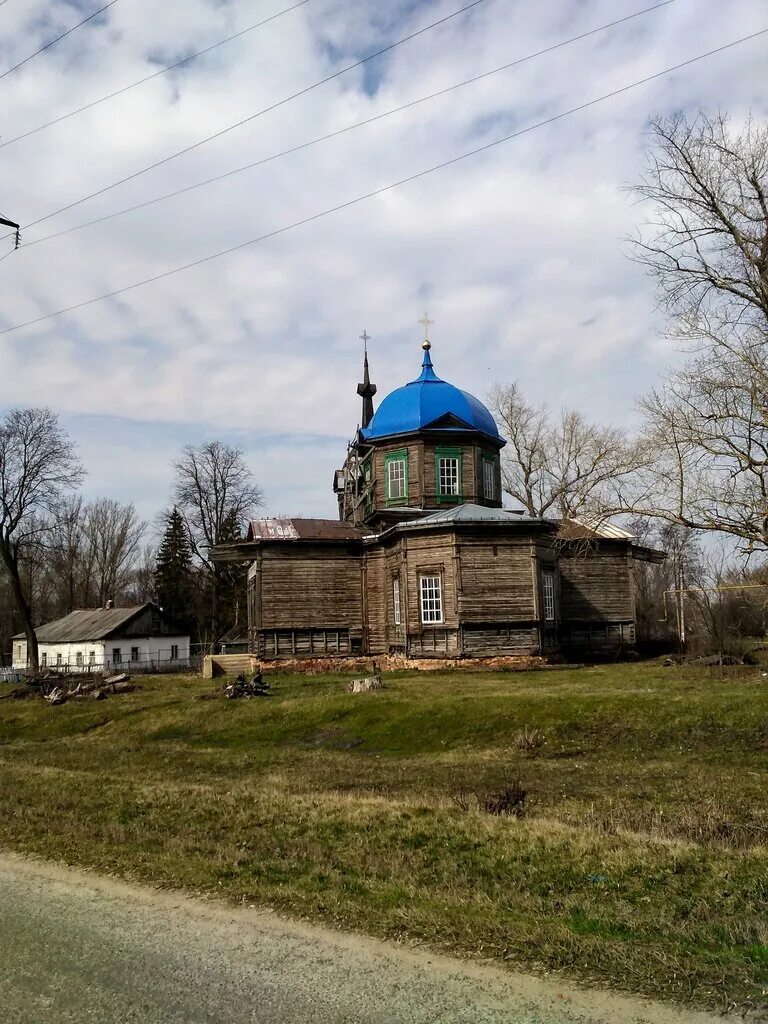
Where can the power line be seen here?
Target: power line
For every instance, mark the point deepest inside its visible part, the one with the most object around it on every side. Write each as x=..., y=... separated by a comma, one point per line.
x=155, y=74
x=385, y=188
x=348, y=128
x=63, y=35
x=251, y=117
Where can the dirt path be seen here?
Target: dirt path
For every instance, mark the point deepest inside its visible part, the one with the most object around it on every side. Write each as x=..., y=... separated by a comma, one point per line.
x=75, y=947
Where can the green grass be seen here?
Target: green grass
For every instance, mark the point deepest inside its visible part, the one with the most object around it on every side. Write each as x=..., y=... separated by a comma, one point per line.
x=641, y=861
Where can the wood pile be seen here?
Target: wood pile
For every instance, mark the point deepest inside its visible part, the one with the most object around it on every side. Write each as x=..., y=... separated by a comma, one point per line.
x=58, y=689
x=256, y=686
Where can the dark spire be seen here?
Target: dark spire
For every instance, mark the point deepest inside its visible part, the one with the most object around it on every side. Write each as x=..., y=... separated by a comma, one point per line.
x=366, y=390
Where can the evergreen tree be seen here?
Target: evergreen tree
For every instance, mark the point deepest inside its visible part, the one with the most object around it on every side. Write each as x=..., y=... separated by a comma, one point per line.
x=172, y=578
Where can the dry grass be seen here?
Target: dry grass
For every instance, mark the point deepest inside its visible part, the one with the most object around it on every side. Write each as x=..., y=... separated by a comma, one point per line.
x=641, y=861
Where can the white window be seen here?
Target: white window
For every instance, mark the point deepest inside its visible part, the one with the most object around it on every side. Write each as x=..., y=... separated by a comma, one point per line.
x=489, y=479
x=548, y=589
x=431, y=599
x=58, y=658
x=44, y=659
x=174, y=652
x=117, y=655
x=92, y=657
x=79, y=659
x=396, y=479
x=396, y=599
x=449, y=475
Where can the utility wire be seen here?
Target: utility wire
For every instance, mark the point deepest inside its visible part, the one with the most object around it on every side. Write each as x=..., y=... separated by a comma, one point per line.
x=251, y=117
x=342, y=131
x=385, y=188
x=148, y=78
x=58, y=38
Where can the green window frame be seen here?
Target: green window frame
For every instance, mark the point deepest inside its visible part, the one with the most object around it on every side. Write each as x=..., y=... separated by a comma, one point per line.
x=396, y=476
x=490, y=464
x=447, y=478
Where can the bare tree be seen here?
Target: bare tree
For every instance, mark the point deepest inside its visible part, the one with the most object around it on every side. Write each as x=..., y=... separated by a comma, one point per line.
x=216, y=494
x=37, y=466
x=707, y=248
x=564, y=465
x=113, y=535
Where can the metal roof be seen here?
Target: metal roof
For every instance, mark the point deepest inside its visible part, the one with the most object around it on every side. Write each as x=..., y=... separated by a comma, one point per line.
x=303, y=529
x=86, y=624
x=607, y=530
x=465, y=514
x=430, y=403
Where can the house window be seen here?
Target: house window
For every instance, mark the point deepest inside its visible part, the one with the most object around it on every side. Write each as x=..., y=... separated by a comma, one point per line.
x=489, y=478
x=548, y=590
x=396, y=475
x=44, y=659
x=174, y=652
x=134, y=654
x=117, y=656
x=431, y=599
x=448, y=473
x=396, y=599
x=79, y=659
x=58, y=659
x=92, y=657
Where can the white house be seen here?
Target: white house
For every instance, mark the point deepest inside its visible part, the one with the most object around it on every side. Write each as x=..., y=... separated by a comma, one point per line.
x=114, y=639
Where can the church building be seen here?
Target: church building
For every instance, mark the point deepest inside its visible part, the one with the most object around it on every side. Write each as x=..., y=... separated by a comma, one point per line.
x=423, y=560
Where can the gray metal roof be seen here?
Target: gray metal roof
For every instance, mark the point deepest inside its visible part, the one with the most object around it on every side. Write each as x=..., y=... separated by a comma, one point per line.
x=86, y=624
x=470, y=513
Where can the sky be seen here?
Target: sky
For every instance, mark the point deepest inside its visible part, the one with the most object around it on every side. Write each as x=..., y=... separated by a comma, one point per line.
x=520, y=252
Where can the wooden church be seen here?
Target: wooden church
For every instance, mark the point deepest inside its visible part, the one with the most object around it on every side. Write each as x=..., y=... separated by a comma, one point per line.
x=423, y=561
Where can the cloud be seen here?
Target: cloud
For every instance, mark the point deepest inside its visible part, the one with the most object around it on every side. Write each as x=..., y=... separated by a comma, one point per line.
x=518, y=251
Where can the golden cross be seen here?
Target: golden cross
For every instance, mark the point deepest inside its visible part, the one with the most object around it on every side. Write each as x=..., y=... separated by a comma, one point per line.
x=426, y=321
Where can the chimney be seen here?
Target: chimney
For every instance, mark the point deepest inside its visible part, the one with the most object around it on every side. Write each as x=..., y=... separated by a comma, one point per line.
x=109, y=605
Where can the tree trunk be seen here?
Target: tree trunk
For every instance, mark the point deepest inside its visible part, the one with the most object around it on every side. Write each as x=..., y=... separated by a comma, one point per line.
x=12, y=566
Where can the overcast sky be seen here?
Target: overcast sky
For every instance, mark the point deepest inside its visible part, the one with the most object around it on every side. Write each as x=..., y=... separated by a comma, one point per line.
x=518, y=252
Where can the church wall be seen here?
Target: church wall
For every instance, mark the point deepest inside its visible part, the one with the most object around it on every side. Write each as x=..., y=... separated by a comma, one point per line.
x=431, y=554
x=306, y=599
x=597, y=597
x=415, y=473
x=376, y=600
x=497, y=579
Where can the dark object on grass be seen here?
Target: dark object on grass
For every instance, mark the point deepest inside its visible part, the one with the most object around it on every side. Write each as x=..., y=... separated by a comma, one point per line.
x=257, y=686
x=508, y=801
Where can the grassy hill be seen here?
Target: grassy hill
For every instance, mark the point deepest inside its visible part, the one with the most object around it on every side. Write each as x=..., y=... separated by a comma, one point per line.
x=640, y=859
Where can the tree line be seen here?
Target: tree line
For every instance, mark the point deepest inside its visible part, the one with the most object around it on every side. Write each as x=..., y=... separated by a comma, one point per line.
x=59, y=552
x=697, y=467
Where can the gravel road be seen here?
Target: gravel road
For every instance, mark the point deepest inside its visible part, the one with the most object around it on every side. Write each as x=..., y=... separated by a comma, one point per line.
x=75, y=947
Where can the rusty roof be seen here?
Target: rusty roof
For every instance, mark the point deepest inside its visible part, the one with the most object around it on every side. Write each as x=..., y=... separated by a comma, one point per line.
x=304, y=529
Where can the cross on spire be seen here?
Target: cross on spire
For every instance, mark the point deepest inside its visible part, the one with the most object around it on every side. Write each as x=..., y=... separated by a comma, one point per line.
x=366, y=390
x=427, y=344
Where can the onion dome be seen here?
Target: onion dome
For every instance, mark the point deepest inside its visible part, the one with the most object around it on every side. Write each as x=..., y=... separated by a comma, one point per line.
x=429, y=403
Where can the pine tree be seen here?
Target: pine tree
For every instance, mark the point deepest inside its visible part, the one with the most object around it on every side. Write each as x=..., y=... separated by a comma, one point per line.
x=172, y=578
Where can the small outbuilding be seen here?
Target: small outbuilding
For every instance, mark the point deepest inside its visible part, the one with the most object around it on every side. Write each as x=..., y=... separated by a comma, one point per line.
x=93, y=639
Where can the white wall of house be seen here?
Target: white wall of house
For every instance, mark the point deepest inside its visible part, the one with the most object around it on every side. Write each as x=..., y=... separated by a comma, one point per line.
x=103, y=653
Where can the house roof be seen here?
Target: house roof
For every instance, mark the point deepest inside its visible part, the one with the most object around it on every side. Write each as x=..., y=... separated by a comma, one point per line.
x=429, y=403
x=86, y=624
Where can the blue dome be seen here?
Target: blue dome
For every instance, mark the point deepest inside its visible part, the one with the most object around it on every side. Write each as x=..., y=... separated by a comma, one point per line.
x=429, y=403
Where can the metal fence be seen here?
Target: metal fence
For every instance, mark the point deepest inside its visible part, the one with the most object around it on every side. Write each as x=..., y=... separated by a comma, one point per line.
x=132, y=666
